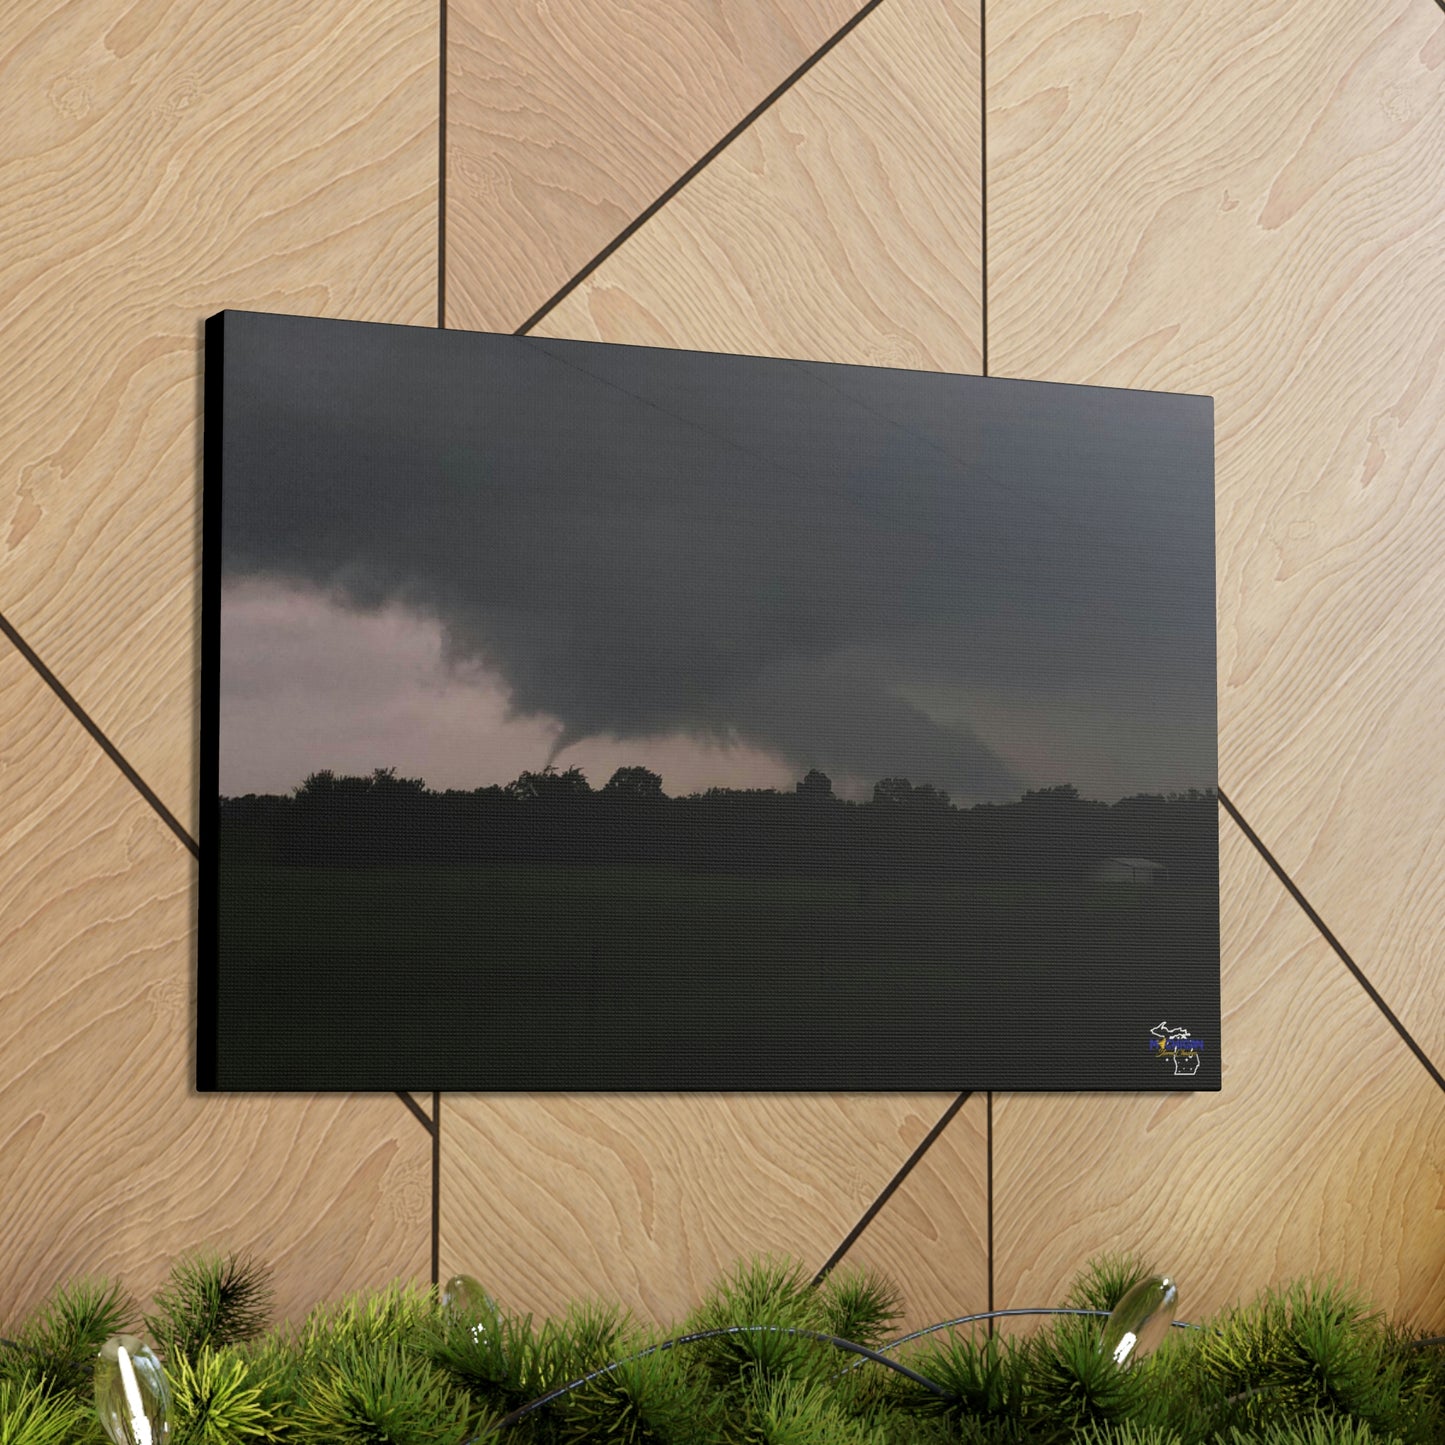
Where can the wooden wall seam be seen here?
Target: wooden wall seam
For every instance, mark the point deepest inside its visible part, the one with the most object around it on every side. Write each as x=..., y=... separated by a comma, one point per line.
x=983, y=201
x=1308, y=909
x=889, y=1189
x=696, y=169
x=163, y=164
x=1236, y=200
x=640, y=1173
x=104, y=743
x=296, y=283
x=442, y=88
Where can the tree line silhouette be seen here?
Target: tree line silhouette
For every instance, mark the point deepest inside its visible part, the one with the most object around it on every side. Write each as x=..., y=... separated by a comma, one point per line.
x=905, y=833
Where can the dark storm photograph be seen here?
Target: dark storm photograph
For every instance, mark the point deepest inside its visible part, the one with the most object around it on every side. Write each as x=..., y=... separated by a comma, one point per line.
x=584, y=716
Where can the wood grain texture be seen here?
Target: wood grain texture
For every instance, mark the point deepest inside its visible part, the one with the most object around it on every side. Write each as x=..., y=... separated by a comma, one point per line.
x=567, y=119
x=648, y=1198
x=1325, y=1150
x=842, y=226
x=1244, y=200
x=931, y=1237
x=161, y=161
x=112, y=1164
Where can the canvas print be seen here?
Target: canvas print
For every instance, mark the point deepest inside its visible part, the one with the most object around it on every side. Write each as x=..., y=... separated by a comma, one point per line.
x=581, y=716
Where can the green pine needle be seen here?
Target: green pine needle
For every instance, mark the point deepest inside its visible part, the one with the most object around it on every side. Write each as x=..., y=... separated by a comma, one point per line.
x=379, y=1393
x=859, y=1305
x=1073, y=1383
x=799, y=1412
x=31, y=1415
x=1128, y=1434
x=58, y=1344
x=493, y=1358
x=210, y=1301
x=986, y=1373
x=1421, y=1418
x=401, y=1311
x=1312, y=1347
x=216, y=1400
x=770, y=1286
x=764, y=1303
x=588, y=1336
x=1307, y=1365
x=1105, y=1280
x=1318, y=1429
x=655, y=1400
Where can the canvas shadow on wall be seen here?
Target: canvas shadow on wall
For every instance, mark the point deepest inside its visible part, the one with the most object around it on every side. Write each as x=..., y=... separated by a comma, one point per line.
x=580, y=716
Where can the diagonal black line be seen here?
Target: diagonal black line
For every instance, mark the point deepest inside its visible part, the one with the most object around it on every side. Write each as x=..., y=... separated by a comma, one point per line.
x=106, y=746
x=871, y=1212
x=1294, y=891
x=641, y=220
x=416, y=1109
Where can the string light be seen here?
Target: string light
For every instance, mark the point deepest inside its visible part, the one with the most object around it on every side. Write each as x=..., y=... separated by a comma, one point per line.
x=131, y=1394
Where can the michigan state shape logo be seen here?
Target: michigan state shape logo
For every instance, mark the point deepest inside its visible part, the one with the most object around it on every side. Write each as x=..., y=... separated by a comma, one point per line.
x=1177, y=1045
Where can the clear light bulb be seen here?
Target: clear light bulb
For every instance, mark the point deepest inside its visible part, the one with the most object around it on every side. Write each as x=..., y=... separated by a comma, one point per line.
x=131, y=1394
x=469, y=1307
x=1140, y=1320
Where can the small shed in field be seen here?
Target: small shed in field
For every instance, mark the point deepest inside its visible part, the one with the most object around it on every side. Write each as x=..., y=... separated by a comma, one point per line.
x=1138, y=871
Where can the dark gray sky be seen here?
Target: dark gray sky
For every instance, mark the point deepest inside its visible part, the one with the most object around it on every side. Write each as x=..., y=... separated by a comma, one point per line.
x=460, y=554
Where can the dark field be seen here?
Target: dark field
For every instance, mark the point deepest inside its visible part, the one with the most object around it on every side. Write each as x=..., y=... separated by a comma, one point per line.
x=540, y=977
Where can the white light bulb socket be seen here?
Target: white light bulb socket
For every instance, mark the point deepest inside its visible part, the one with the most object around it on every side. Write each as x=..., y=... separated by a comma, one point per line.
x=139, y=1421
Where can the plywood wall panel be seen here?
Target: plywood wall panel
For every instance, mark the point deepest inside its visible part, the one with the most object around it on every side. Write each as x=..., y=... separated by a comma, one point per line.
x=931, y=1235
x=112, y=1164
x=1245, y=201
x=566, y=120
x=1235, y=199
x=162, y=161
x=1324, y=1152
x=844, y=225
x=649, y=1198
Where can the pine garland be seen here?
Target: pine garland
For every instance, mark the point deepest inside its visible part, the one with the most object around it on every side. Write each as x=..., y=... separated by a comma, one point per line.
x=760, y=1362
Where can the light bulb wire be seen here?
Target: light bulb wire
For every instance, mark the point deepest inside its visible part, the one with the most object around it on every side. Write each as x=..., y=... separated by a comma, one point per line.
x=851, y=1346
x=878, y=1356
x=1001, y=1314
x=865, y=1354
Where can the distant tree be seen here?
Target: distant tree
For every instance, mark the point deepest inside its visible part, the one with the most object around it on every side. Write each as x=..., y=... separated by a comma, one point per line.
x=385, y=783
x=492, y=792
x=316, y=784
x=815, y=785
x=925, y=795
x=1195, y=795
x=325, y=788
x=900, y=793
x=891, y=792
x=633, y=782
x=1059, y=793
x=547, y=783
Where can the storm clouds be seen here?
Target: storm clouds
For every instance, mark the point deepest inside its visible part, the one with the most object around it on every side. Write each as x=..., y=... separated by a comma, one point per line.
x=984, y=585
